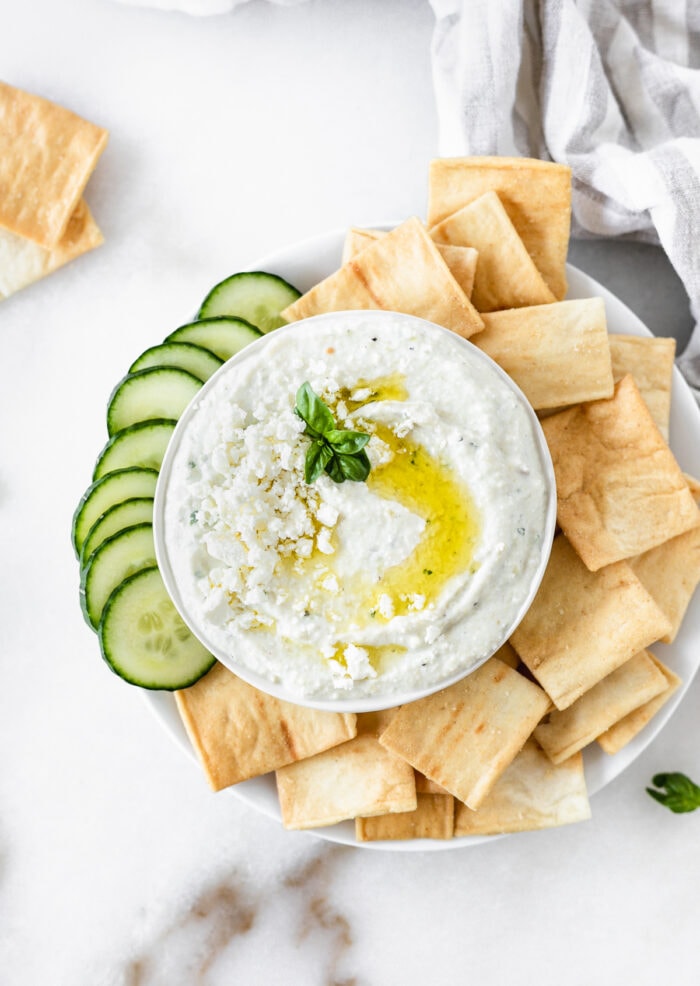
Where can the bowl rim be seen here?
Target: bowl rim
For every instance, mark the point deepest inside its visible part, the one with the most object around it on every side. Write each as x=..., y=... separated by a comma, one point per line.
x=344, y=702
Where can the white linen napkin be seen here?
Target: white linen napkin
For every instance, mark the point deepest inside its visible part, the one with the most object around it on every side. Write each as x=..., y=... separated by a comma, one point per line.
x=609, y=87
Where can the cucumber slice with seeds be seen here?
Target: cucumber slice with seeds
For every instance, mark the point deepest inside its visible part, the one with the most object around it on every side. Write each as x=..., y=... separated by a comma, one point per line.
x=137, y=510
x=158, y=392
x=144, y=640
x=142, y=444
x=122, y=484
x=118, y=557
x=256, y=296
x=196, y=359
x=224, y=336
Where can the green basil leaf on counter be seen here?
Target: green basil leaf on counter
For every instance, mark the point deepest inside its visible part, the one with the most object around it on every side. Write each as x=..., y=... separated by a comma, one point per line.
x=678, y=793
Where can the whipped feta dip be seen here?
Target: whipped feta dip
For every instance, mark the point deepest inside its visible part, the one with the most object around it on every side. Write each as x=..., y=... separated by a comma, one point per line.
x=342, y=591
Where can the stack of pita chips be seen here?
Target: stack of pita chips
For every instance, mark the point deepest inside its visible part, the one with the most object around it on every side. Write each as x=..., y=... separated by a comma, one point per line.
x=500, y=751
x=47, y=155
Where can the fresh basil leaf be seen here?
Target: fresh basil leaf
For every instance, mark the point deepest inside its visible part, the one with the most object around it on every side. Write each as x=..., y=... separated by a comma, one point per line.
x=335, y=470
x=318, y=456
x=346, y=442
x=678, y=793
x=354, y=467
x=313, y=411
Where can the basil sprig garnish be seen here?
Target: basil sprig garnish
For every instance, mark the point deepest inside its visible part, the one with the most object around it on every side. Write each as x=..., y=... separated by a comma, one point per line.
x=679, y=794
x=336, y=451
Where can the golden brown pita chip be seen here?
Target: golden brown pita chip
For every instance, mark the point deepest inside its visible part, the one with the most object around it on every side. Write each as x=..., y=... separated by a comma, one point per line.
x=240, y=732
x=464, y=736
x=670, y=573
x=557, y=354
x=649, y=361
x=582, y=624
x=22, y=262
x=47, y=155
x=532, y=793
x=356, y=778
x=619, y=489
x=433, y=818
x=561, y=734
x=461, y=260
x=403, y=272
x=506, y=276
x=626, y=729
x=536, y=195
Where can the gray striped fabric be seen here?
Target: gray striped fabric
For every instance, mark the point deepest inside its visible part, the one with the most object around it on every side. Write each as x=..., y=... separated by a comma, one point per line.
x=609, y=87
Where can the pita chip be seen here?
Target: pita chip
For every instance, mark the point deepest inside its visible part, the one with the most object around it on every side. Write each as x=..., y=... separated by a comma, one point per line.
x=624, y=731
x=506, y=276
x=464, y=736
x=650, y=363
x=582, y=625
x=532, y=793
x=356, y=778
x=461, y=260
x=402, y=271
x=620, y=491
x=557, y=354
x=432, y=818
x=670, y=573
x=22, y=262
x=561, y=734
x=535, y=194
x=47, y=155
x=239, y=732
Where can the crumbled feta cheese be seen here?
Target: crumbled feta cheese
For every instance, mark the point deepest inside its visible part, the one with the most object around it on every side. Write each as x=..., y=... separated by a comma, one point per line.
x=323, y=542
x=357, y=660
x=386, y=606
x=330, y=584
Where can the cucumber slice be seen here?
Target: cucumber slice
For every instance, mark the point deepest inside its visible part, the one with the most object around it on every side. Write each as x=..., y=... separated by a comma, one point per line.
x=224, y=336
x=144, y=640
x=123, y=484
x=197, y=360
x=118, y=557
x=142, y=444
x=159, y=392
x=256, y=296
x=137, y=510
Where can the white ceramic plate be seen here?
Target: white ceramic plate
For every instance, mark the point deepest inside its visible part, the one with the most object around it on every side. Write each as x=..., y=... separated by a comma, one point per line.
x=304, y=264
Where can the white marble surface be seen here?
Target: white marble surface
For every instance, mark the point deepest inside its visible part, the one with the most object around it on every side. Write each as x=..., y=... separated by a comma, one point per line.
x=231, y=136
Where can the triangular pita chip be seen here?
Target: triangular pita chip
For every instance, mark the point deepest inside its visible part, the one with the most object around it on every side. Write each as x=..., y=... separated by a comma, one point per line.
x=402, y=271
x=624, y=731
x=506, y=276
x=536, y=195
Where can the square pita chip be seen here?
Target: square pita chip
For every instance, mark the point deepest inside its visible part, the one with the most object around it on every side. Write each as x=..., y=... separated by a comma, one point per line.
x=506, y=276
x=356, y=778
x=532, y=793
x=624, y=731
x=22, y=262
x=464, y=736
x=561, y=734
x=670, y=573
x=620, y=491
x=47, y=155
x=433, y=818
x=461, y=260
x=582, y=625
x=402, y=271
x=649, y=361
x=535, y=194
x=557, y=354
x=240, y=732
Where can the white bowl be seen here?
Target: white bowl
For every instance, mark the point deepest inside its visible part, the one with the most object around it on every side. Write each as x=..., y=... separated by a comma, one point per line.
x=344, y=702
